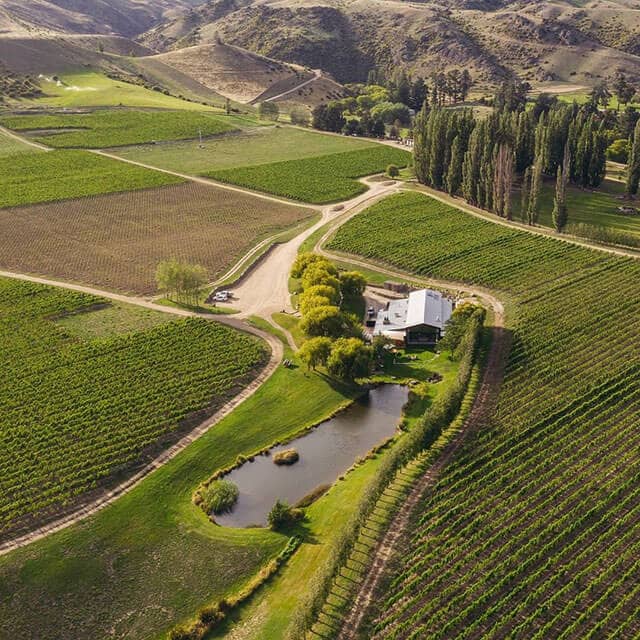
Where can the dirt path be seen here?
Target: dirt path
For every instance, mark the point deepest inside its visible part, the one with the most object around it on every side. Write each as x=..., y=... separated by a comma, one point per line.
x=96, y=505
x=265, y=289
x=207, y=181
x=482, y=407
x=30, y=143
x=317, y=74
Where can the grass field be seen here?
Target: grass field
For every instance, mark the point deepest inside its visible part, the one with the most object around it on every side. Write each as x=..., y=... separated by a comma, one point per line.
x=29, y=178
x=318, y=180
x=117, y=241
x=595, y=208
x=152, y=558
x=90, y=89
x=69, y=423
x=263, y=145
x=101, y=129
x=533, y=531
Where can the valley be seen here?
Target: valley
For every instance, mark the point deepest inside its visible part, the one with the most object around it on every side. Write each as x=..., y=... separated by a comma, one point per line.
x=319, y=319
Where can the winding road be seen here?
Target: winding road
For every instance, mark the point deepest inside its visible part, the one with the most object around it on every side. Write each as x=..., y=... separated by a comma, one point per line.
x=262, y=292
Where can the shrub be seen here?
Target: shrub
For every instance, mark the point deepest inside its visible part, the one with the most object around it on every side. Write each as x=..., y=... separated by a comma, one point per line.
x=286, y=457
x=282, y=515
x=393, y=171
x=618, y=151
x=268, y=111
x=219, y=496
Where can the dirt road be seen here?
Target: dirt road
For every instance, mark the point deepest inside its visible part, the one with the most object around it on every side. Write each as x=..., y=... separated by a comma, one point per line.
x=265, y=289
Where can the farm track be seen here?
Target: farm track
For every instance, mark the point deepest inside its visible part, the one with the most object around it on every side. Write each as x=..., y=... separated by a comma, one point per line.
x=207, y=181
x=317, y=74
x=30, y=143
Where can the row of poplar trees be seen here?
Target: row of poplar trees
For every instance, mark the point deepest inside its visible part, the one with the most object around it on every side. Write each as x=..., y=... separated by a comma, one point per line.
x=480, y=158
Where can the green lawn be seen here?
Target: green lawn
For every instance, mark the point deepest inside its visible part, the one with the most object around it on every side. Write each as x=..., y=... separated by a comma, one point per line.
x=253, y=146
x=28, y=178
x=318, y=180
x=101, y=129
x=152, y=558
x=90, y=89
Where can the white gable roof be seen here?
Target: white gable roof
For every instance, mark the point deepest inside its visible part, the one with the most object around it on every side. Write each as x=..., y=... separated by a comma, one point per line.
x=428, y=307
x=424, y=307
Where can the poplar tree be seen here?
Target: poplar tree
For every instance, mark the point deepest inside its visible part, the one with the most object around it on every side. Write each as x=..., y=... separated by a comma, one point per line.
x=454, y=173
x=633, y=169
x=536, y=184
x=525, y=193
x=560, y=214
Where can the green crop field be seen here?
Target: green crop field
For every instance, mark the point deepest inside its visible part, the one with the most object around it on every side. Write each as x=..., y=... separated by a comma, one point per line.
x=533, y=531
x=319, y=180
x=116, y=241
x=152, y=558
x=28, y=178
x=69, y=423
x=101, y=129
x=253, y=146
x=10, y=146
x=90, y=89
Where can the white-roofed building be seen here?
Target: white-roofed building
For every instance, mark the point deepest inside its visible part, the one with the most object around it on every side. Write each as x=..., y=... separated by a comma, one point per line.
x=417, y=320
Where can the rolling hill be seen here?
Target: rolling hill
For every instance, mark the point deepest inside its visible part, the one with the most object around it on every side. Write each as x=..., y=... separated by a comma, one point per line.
x=122, y=17
x=559, y=40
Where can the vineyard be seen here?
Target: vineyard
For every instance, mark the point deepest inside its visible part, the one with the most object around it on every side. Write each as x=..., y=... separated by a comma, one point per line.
x=319, y=180
x=117, y=241
x=29, y=178
x=254, y=145
x=534, y=530
x=101, y=129
x=68, y=425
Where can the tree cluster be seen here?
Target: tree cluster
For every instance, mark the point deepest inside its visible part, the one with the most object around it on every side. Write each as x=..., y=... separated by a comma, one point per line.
x=181, y=281
x=480, y=157
x=335, y=337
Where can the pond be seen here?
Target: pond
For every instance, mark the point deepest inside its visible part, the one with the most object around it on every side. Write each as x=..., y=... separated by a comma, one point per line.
x=326, y=453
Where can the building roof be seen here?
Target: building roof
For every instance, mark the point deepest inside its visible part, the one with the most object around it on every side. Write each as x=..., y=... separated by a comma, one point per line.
x=428, y=307
x=423, y=307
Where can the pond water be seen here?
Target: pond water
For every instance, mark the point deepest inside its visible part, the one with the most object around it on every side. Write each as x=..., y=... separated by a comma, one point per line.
x=326, y=452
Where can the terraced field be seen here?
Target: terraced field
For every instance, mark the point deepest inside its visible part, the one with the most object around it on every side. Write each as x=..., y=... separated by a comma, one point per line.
x=117, y=241
x=68, y=424
x=102, y=129
x=29, y=178
x=318, y=180
x=534, y=530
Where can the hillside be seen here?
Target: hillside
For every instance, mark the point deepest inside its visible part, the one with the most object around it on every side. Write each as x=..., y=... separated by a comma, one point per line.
x=239, y=74
x=123, y=17
x=542, y=41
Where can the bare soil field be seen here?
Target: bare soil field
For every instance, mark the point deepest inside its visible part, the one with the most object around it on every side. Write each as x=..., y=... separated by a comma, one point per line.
x=116, y=241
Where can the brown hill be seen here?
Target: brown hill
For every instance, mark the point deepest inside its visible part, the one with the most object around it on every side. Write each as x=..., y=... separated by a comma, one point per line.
x=123, y=17
x=558, y=40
